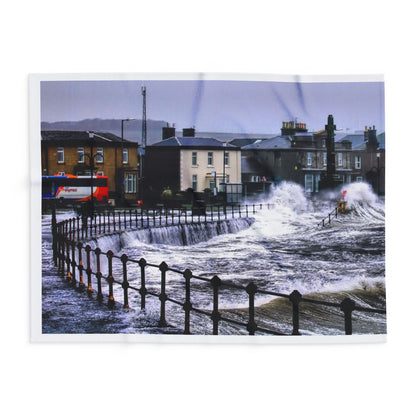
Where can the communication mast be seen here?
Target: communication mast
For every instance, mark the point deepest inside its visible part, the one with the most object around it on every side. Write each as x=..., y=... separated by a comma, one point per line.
x=144, y=121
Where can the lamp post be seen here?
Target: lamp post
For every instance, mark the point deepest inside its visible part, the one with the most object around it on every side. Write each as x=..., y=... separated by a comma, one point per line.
x=378, y=174
x=214, y=174
x=91, y=158
x=122, y=154
x=224, y=189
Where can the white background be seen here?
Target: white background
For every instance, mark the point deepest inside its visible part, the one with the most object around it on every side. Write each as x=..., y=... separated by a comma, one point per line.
x=294, y=37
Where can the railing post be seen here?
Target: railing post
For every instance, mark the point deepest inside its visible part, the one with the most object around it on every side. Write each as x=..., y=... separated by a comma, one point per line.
x=125, y=284
x=215, y=316
x=74, y=263
x=142, y=290
x=78, y=228
x=98, y=275
x=295, y=298
x=54, y=236
x=89, y=271
x=162, y=297
x=81, y=284
x=68, y=259
x=187, y=306
x=110, y=279
x=347, y=306
x=251, y=289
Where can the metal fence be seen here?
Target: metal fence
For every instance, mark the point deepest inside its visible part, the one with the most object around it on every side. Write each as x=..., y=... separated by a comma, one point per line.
x=70, y=254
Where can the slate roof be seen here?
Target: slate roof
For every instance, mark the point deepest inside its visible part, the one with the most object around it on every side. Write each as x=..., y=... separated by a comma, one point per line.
x=191, y=142
x=80, y=136
x=357, y=140
x=278, y=142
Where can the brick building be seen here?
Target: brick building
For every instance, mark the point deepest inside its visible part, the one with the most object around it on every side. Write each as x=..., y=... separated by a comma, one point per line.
x=68, y=152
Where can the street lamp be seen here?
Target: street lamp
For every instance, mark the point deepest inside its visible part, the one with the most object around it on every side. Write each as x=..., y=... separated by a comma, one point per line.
x=378, y=173
x=122, y=152
x=91, y=158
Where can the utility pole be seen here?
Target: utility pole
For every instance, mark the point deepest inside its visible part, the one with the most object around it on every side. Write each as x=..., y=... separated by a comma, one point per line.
x=144, y=141
x=144, y=121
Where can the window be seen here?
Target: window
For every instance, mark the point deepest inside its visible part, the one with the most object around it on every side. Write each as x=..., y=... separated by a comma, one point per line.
x=325, y=161
x=212, y=184
x=357, y=162
x=210, y=158
x=309, y=183
x=359, y=179
x=323, y=143
x=194, y=182
x=226, y=158
x=100, y=173
x=255, y=179
x=125, y=155
x=309, y=159
x=61, y=155
x=61, y=173
x=130, y=183
x=194, y=159
x=339, y=159
x=81, y=155
x=100, y=155
x=317, y=179
x=347, y=178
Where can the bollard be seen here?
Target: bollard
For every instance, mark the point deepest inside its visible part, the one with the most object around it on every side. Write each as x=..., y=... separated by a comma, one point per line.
x=215, y=315
x=251, y=289
x=187, y=306
x=162, y=297
x=142, y=290
x=295, y=298
x=125, y=284
x=347, y=306
x=110, y=279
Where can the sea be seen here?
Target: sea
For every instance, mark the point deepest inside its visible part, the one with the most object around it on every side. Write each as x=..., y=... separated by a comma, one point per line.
x=281, y=248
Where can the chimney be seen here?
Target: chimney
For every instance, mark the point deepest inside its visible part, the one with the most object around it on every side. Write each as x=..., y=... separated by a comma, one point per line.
x=168, y=132
x=189, y=132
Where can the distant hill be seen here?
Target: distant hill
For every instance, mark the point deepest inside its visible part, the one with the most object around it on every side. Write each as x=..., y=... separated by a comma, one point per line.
x=133, y=129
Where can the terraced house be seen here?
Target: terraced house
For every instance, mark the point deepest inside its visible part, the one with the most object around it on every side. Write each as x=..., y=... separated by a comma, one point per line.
x=69, y=152
x=182, y=163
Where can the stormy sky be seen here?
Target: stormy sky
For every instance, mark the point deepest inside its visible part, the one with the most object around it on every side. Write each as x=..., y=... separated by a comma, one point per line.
x=218, y=106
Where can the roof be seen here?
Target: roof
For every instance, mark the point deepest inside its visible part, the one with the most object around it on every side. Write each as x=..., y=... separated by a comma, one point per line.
x=357, y=140
x=240, y=142
x=81, y=136
x=278, y=142
x=191, y=142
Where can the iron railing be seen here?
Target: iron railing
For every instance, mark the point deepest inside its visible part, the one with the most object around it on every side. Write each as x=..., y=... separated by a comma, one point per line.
x=70, y=252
